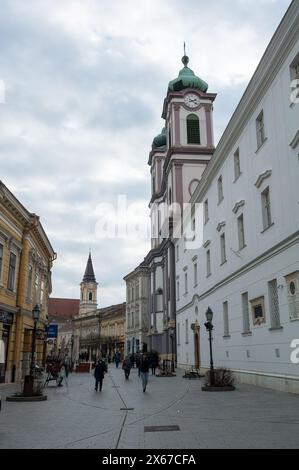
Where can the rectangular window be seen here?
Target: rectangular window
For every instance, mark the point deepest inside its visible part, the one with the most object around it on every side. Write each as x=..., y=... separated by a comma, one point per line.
x=225, y=319
x=1, y=260
x=42, y=288
x=206, y=211
x=266, y=208
x=195, y=274
x=245, y=311
x=36, y=288
x=220, y=189
x=178, y=290
x=29, y=285
x=237, y=167
x=177, y=252
x=12, y=271
x=222, y=248
x=260, y=129
x=187, y=332
x=186, y=283
x=208, y=262
x=241, y=235
x=274, y=304
x=179, y=334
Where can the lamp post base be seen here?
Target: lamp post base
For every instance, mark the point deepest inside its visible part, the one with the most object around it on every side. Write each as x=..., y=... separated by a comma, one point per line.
x=28, y=386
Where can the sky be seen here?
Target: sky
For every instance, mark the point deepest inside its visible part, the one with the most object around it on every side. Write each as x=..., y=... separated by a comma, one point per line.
x=82, y=87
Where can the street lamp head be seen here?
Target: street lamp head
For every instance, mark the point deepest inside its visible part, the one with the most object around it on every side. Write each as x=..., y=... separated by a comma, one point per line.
x=209, y=315
x=36, y=313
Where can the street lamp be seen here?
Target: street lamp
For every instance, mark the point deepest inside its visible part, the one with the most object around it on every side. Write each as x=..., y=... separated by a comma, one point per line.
x=29, y=379
x=72, y=348
x=35, y=316
x=209, y=326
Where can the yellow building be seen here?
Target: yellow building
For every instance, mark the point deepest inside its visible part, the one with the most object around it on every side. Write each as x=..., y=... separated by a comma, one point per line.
x=26, y=258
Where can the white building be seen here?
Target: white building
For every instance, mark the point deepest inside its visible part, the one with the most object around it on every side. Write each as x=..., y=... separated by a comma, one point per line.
x=137, y=284
x=247, y=268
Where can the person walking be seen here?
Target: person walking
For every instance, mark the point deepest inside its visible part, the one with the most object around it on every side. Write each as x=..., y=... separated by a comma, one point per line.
x=67, y=365
x=117, y=358
x=144, y=368
x=127, y=366
x=99, y=373
x=138, y=360
x=154, y=361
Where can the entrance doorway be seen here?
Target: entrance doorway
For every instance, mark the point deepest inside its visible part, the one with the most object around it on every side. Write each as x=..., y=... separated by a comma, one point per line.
x=196, y=349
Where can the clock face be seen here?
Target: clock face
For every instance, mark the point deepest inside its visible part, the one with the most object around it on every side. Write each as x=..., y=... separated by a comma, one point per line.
x=191, y=100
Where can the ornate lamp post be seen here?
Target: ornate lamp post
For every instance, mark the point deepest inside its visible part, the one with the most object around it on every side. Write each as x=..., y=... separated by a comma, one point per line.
x=35, y=316
x=72, y=349
x=209, y=326
x=29, y=379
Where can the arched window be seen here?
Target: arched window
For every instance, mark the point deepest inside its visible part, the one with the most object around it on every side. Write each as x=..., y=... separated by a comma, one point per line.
x=193, y=132
x=90, y=295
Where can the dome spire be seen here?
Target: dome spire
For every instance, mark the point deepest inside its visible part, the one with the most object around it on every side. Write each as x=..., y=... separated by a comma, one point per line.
x=185, y=58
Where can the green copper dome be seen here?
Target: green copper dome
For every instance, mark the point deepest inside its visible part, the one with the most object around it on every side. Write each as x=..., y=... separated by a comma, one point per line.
x=187, y=79
x=160, y=139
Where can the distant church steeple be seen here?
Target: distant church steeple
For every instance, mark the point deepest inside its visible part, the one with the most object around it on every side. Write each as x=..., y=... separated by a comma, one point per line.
x=89, y=272
x=88, y=286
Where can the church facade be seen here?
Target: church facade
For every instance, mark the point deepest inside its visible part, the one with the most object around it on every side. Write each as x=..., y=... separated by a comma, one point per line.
x=224, y=223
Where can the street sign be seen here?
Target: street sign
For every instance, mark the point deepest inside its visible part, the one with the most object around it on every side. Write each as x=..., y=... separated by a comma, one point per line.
x=52, y=331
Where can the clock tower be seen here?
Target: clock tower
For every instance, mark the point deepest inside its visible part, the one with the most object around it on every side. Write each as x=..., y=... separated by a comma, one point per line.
x=178, y=158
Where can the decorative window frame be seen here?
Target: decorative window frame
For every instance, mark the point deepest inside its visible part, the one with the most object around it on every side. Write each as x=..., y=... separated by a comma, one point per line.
x=262, y=177
x=238, y=205
x=258, y=301
x=220, y=225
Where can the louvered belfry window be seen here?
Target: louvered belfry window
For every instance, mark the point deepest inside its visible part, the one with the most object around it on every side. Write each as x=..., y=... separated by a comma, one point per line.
x=193, y=132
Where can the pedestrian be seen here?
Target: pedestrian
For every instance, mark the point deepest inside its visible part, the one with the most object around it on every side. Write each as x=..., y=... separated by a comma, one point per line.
x=117, y=358
x=127, y=366
x=67, y=364
x=154, y=361
x=99, y=373
x=138, y=360
x=144, y=368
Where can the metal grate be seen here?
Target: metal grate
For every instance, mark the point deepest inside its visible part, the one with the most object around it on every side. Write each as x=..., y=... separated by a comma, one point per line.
x=161, y=428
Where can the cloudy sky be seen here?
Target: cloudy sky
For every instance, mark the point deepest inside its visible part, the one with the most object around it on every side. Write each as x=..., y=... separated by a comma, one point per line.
x=84, y=87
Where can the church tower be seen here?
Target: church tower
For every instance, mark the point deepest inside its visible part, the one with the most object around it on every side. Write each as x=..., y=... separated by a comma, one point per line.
x=88, y=287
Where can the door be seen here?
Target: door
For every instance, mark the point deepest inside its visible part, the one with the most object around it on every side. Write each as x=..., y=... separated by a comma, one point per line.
x=196, y=350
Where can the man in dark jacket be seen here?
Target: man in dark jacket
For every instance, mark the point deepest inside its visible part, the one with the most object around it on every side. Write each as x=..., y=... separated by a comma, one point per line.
x=127, y=366
x=99, y=373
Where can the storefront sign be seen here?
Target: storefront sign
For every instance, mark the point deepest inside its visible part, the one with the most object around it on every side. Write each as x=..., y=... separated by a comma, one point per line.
x=6, y=317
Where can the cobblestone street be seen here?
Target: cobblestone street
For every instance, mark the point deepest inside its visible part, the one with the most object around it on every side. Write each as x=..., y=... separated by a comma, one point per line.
x=75, y=416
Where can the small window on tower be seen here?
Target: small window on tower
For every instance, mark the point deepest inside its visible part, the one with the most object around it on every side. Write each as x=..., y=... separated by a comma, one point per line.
x=90, y=296
x=193, y=132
